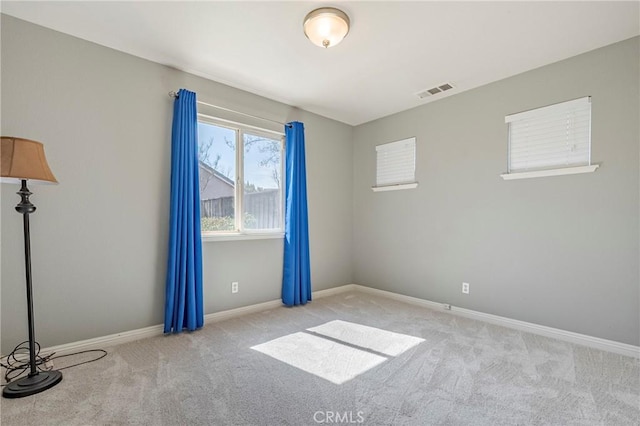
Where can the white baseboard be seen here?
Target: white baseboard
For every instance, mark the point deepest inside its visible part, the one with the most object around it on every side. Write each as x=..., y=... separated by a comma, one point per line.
x=157, y=330
x=105, y=341
x=232, y=313
x=541, y=330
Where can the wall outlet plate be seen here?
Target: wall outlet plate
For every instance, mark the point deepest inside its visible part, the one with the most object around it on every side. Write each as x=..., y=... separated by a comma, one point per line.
x=234, y=287
x=465, y=288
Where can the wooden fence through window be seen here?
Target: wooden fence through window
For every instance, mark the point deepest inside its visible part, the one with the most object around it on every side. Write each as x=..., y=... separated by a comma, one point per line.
x=262, y=209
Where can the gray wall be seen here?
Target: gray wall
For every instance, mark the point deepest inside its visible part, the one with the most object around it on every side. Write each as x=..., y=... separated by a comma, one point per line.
x=99, y=237
x=557, y=251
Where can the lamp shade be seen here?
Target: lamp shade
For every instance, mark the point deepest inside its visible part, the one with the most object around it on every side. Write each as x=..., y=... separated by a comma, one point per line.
x=24, y=159
x=326, y=27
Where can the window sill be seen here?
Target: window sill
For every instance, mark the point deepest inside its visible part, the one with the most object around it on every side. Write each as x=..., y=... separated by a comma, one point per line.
x=553, y=172
x=395, y=187
x=241, y=237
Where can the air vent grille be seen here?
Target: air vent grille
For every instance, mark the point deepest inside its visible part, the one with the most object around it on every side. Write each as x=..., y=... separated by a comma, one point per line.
x=435, y=90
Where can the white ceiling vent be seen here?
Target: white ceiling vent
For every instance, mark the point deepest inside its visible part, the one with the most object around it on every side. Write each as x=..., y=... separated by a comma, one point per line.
x=435, y=90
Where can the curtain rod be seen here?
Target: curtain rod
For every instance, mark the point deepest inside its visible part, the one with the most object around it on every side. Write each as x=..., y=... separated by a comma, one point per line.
x=175, y=95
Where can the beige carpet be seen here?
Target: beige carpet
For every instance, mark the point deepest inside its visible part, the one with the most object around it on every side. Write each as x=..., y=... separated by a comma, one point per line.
x=455, y=371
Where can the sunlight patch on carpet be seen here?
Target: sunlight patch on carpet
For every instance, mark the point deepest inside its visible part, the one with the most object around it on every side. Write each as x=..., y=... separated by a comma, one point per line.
x=382, y=341
x=332, y=360
x=322, y=357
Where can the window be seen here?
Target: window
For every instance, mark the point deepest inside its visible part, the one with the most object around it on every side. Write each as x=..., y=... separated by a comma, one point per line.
x=240, y=171
x=551, y=140
x=396, y=165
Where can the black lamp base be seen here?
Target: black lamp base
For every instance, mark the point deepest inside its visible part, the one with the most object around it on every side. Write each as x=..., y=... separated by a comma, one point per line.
x=30, y=385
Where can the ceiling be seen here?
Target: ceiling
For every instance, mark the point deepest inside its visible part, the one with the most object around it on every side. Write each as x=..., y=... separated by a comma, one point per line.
x=394, y=49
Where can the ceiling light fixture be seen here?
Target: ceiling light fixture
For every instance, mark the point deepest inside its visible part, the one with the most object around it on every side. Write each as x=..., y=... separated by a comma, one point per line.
x=326, y=27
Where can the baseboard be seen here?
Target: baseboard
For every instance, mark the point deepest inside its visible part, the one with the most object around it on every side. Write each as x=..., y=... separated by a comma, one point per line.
x=105, y=341
x=232, y=313
x=541, y=330
x=157, y=330
x=335, y=290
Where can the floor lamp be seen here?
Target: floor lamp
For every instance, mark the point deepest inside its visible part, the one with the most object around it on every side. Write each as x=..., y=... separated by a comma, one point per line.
x=23, y=160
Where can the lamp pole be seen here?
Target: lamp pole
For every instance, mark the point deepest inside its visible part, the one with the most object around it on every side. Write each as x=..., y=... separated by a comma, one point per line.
x=36, y=381
x=25, y=208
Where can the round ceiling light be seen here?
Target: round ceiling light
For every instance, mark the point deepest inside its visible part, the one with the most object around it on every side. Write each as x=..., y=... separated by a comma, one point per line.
x=326, y=27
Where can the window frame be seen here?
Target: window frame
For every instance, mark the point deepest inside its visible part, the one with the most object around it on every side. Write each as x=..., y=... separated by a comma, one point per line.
x=239, y=232
x=557, y=110
x=396, y=147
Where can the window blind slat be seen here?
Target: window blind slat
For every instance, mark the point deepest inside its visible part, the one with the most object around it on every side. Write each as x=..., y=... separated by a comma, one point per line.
x=550, y=118
x=520, y=130
x=553, y=110
x=542, y=165
x=542, y=145
x=551, y=157
x=574, y=137
x=550, y=130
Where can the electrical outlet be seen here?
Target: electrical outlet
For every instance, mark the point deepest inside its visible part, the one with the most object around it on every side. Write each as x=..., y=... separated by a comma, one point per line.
x=465, y=288
x=234, y=287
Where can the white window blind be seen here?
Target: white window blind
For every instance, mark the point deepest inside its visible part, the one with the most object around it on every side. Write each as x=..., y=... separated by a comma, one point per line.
x=396, y=163
x=552, y=137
